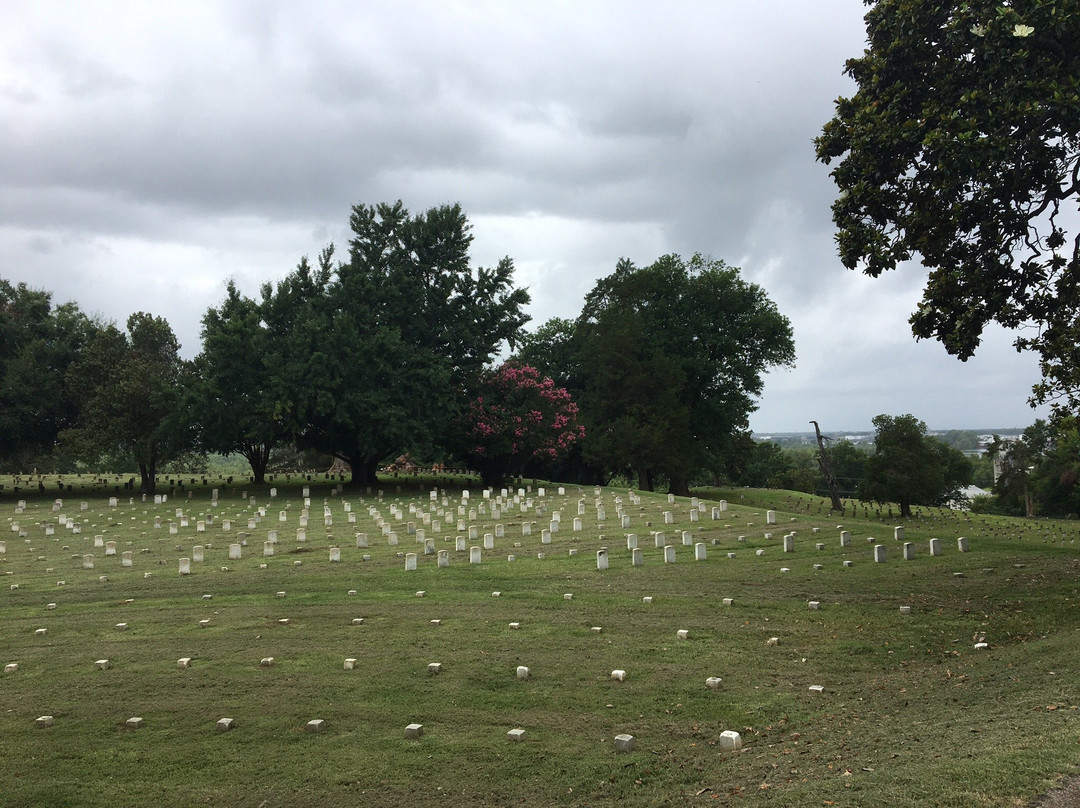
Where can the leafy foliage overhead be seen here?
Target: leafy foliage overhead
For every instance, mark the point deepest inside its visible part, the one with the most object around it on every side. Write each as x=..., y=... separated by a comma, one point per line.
x=961, y=146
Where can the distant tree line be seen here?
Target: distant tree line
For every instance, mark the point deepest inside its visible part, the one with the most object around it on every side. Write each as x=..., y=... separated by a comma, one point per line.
x=1037, y=474
x=905, y=466
x=394, y=348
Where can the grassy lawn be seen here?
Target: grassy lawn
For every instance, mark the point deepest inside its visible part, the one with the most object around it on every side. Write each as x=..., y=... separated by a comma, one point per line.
x=910, y=712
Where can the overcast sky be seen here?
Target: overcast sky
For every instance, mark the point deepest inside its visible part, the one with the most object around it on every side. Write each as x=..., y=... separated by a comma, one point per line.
x=151, y=151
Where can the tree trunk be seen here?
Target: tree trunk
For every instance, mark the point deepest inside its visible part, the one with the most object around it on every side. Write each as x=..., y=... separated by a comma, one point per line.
x=258, y=455
x=365, y=471
x=147, y=473
x=494, y=471
x=905, y=510
x=644, y=479
x=678, y=485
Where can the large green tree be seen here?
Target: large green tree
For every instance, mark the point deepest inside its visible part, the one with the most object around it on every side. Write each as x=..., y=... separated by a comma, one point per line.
x=672, y=356
x=910, y=467
x=239, y=397
x=384, y=345
x=130, y=387
x=961, y=146
x=38, y=344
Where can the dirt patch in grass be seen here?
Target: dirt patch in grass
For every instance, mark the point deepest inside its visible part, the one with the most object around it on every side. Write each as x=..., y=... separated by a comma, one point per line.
x=1065, y=796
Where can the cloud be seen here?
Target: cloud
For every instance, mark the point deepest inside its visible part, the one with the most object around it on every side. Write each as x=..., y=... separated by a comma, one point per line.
x=153, y=151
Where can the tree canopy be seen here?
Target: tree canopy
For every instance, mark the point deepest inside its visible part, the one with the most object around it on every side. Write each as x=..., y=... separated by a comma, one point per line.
x=239, y=395
x=385, y=345
x=130, y=390
x=39, y=342
x=911, y=468
x=672, y=356
x=516, y=415
x=961, y=146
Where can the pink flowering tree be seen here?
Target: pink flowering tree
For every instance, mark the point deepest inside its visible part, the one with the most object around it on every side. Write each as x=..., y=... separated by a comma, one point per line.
x=516, y=416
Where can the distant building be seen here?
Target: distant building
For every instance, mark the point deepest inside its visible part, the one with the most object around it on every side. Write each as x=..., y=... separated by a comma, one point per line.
x=966, y=496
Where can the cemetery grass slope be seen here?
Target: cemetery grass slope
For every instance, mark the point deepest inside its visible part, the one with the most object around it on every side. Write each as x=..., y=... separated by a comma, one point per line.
x=910, y=711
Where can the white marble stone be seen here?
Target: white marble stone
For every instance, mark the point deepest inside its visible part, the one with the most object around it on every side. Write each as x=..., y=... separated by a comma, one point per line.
x=730, y=741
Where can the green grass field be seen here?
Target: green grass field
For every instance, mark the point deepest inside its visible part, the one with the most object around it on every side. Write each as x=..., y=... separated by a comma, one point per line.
x=910, y=713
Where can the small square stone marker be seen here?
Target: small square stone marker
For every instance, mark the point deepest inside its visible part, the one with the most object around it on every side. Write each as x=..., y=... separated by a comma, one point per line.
x=414, y=731
x=225, y=724
x=618, y=675
x=713, y=682
x=183, y=662
x=516, y=735
x=102, y=664
x=315, y=725
x=44, y=721
x=434, y=668
x=350, y=664
x=135, y=723
x=624, y=743
x=730, y=740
